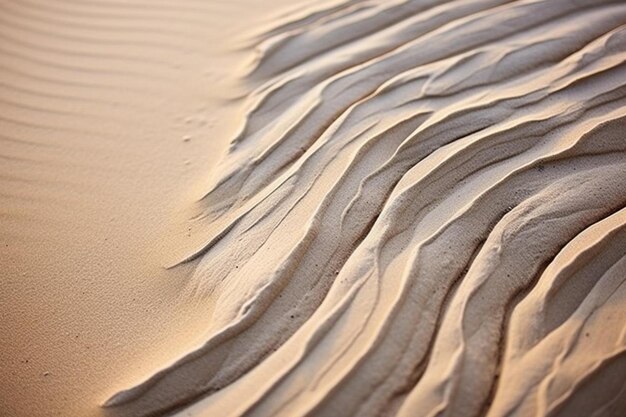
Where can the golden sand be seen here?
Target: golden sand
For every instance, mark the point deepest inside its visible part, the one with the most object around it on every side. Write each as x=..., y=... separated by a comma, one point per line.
x=340, y=208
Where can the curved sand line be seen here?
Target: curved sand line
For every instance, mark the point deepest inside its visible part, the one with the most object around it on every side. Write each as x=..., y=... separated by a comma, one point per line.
x=423, y=214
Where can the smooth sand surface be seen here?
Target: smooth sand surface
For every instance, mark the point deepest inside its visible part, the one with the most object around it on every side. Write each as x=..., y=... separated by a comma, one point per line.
x=111, y=115
x=367, y=208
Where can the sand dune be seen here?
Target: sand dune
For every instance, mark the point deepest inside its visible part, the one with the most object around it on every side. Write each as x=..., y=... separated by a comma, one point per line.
x=422, y=212
x=422, y=215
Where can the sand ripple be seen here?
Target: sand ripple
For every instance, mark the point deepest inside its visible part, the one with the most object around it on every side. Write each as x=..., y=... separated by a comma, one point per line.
x=423, y=214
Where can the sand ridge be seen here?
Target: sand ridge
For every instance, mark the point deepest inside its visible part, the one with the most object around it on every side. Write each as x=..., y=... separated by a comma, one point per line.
x=413, y=183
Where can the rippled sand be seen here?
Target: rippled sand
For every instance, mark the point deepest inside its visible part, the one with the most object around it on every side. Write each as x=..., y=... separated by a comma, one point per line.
x=423, y=213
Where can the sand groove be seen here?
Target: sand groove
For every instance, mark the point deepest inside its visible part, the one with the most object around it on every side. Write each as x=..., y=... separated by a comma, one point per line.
x=422, y=215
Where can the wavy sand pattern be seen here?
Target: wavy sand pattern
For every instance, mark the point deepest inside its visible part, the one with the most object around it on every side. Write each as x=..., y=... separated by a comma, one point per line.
x=423, y=215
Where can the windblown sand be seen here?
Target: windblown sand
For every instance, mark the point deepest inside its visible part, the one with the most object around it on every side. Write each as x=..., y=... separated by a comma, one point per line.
x=338, y=208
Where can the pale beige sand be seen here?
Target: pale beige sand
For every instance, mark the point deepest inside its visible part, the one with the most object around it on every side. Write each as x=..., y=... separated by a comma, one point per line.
x=423, y=213
x=111, y=115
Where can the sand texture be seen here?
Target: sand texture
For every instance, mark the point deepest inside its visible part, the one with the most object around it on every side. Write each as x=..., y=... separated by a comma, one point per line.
x=421, y=212
x=422, y=215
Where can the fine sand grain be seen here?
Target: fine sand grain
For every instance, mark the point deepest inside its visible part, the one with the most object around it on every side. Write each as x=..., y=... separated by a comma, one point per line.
x=421, y=210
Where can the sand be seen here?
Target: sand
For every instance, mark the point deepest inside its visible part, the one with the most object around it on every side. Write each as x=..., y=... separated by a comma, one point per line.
x=111, y=116
x=338, y=208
